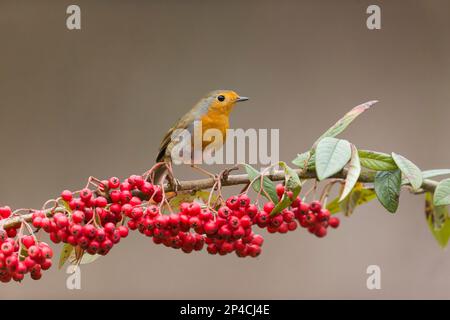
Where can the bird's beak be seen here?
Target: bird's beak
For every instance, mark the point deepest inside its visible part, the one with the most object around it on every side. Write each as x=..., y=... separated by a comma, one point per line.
x=241, y=99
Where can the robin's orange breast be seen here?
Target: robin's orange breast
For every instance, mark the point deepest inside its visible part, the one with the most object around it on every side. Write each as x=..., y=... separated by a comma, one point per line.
x=214, y=120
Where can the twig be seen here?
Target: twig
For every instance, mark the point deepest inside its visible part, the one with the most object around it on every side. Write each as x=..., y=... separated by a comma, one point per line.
x=231, y=180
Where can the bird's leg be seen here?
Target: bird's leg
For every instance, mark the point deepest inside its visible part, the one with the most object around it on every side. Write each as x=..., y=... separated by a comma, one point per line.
x=173, y=182
x=209, y=174
x=225, y=173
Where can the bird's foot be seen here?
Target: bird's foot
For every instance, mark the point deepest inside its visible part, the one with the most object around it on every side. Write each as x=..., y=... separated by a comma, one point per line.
x=223, y=175
x=205, y=172
x=174, y=183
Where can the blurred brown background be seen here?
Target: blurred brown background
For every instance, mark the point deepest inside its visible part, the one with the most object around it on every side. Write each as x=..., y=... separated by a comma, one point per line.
x=97, y=102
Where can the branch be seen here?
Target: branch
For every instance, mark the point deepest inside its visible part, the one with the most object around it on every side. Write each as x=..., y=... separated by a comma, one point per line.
x=231, y=180
x=365, y=177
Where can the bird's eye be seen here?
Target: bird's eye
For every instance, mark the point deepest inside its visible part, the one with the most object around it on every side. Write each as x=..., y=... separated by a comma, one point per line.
x=221, y=98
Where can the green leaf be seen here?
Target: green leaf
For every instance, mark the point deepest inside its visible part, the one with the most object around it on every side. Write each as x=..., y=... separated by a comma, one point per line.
x=427, y=174
x=409, y=169
x=293, y=184
x=66, y=252
x=331, y=156
x=354, y=170
x=268, y=185
x=199, y=196
x=23, y=253
x=80, y=256
x=334, y=206
x=442, y=193
x=345, y=121
x=387, y=188
x=303, y=158
x=89, y=258
x=376, y=160
x=437, y=220
x=358, y=196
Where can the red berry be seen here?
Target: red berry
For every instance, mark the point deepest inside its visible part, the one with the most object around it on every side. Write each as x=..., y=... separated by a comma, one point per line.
x=113, y=183
x=244, y=200
x=315, y=206
x=75, y=230
x=28, y=241
x=252, y=210
x=262, y=218
x=21, y=268
x=109, y=228
x=7, y=248
x=93, y=247
x=101, y=202
x=36, y=275
x=211, y=227
x=310, y=219
x=29, y=262
x=304, y=207
x=292, y=226
x=323, y=215
x=279, y=190
x=334, y=222
x=205, y=215
x=194, y=209
x=89, y=231
x=276, y=221
x=234, y=222
x=239, y=233
x=34, y=252
x=11, y=232
x=62, y=221
x=268, y=207
x=224, y=231
x=123, y=231
x=37, y=222
x=5, y=212
x=245, y=222
x=85, y=195
x=77, y=216
x=66, y=195
x=83, y=242
x=288, y=216
x=194, y=222
x=224, y=212
x=283, y=228
x=136, y=213
x=232, y=202
x=46, y=251
x=100, y=235
x=125, y=196
x=254, y=250
x=11, y=262
x=321, y=232
x=46, y=264
x=258, y=240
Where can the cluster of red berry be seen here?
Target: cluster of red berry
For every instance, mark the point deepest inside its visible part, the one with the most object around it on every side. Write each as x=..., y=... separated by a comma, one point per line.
x=19, y=257
x=232, y=230
x=193, y=226
x=96, y=221
x=5, y=213
x=314, y=218
x=91, y=222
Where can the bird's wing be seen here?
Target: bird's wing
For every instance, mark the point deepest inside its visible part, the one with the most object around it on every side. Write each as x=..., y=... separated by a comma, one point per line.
x=184, y=122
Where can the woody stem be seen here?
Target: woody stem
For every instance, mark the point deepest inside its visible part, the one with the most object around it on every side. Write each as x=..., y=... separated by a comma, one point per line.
x=238, y=179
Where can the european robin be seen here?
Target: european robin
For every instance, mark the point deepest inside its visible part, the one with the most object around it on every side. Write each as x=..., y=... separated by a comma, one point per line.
x=211, y=112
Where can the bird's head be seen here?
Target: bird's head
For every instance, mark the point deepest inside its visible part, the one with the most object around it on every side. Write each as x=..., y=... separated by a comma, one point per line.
x=223, y=101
